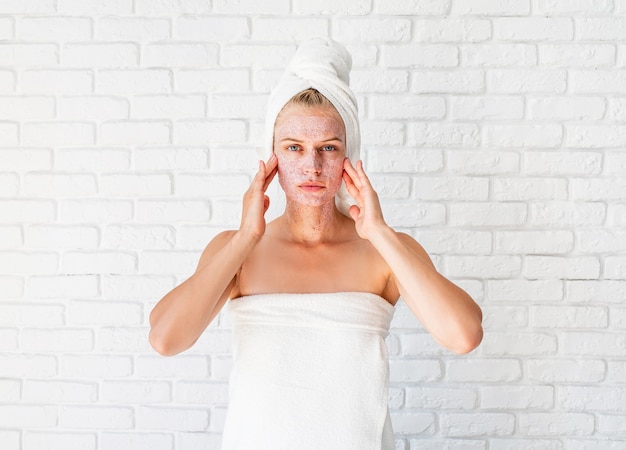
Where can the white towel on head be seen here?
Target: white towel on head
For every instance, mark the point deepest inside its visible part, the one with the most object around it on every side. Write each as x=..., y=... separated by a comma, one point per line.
x=323, y=65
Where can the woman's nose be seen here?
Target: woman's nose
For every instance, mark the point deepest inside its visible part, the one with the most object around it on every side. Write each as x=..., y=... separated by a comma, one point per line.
x=312, y=163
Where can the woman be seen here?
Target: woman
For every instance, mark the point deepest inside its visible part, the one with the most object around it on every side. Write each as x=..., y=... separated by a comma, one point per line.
x=312, y=292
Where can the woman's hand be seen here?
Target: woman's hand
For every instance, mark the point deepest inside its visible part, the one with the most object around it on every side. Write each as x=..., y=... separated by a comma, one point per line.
x=367, y=213
x=255, y=202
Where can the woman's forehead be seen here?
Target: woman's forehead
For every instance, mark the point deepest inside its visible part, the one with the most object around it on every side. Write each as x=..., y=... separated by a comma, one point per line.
x=309, y=122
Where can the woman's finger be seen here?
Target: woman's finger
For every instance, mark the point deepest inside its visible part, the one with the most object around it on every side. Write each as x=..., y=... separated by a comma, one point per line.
x=271, y=169
x=350, y=186
x=351, y=171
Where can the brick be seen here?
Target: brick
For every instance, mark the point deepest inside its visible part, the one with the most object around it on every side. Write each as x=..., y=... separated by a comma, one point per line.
x=391, y=186
x=28, y=416
x=33, y=7
x=566, y=370
x=96, y=417
x=209, y=132
x=413, y=423
x=167, y=106
x=414, y=343
x=591, y=398
x=483, y=370
x=487, y=214
x=451, y=188
x=44, y=81
x=441, y=398
x=596, y=81
x=478, y=162
x=616, y=215
x=616, y=110
x=59, y=185
x=11, y=286
x=135, y=133
x=54, y=29
x=93, y=108
x=261, y=56
x=92, y=160
x=94, y=7
x=531, y=81
x=94, y=366
x=615, y=163
x=414, y=56
x=292, y=29
x=129, y=392
x=379, y=81
x=207, y=393
x=11, y=391
x=57, y=134
x=171, y=158
x=504, y=317
x=34, y=440
x=95, y=211
x=59, y=391
x=574, y=317
x=603, y=291
x=414, y=370
x=598, y=188
x=615, y=268
x=572, y=108
x=556, y=424
x=593, y=344
x=600, y=28
x=121, y=185
x=9, y=339
x=138, y=237
x=517, y=397
x=542, y=267
x=25, y=159
x=132, y=29
x=452, y=29
x=528, y=136
x=342, y=7
x=221, y=367
x=601, y=241
x=417, y=215
x=379, y=30
x=211, y=29
x=200, y=440
x=180, y=55
x=581, y=55
x=62, y=286
x=136, y=441
x=134, y=82
x=518, y=344
x=28, y=55
x=529, y=188
x=562, y=163
x=491, y=8
x=39, y=263
x=120, y=287
x=534, y=444
x=8, y=134
x=226, y=106
x=24, y=365
x=567, y=213
x=573, y=7
x=498, y=55
x=443, y=135
x=123, y=340
x=210, y=81
x=43, y=236
x=104, y=313
x=455, y=82
x=178, y=419
x=7, y=82
x=57, y=340
x=455, y=241
x=251, y=7
x=412, y=7
x=404, y=160
x=477, y=424
x=168, y=262
x=100, y=55
x=101, y=262
x=194, y=211
x=32, y=315
x=612, y=425
x=534, y=242
x=407, y=107
x=172, y=7
x=486, y=107
x=595, y=136
x=26, y=108
x=184, y=366
x=483, y=266
x=9, y=186
x=533, y=29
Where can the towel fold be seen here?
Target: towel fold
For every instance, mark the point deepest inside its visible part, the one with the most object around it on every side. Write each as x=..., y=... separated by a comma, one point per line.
x=323, y=65
x=310, y=372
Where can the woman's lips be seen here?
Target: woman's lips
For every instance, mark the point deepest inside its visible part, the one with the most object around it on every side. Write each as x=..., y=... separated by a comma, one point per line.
x=311, y=187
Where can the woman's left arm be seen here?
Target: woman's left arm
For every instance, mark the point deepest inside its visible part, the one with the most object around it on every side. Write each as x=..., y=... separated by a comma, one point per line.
x=446, y=311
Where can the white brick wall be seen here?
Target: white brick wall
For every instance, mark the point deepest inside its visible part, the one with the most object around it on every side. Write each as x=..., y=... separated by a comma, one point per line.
x=493, y=130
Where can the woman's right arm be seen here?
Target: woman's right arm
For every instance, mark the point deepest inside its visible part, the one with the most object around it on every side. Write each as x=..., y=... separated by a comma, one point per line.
x=179, y=318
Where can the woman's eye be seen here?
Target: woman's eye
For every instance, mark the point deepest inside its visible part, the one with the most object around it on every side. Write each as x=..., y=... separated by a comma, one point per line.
x=292, y=148
x=328, y=148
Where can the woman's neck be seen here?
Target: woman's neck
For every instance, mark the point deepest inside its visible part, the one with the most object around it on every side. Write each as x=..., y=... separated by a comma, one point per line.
x=312, y=224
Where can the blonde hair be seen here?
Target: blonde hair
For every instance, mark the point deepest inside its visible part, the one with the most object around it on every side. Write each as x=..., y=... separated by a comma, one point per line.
x=310, y=98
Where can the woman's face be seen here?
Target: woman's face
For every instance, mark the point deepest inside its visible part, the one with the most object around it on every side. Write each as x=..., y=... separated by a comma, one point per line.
x=309, y=143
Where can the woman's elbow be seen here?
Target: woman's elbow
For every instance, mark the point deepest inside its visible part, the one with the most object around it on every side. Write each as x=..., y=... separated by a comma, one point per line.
x=469, y=341
x=161, y=345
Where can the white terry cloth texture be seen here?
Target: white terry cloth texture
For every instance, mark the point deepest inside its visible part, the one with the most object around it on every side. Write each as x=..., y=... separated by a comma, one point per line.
x=323, y=65
x=310, y=372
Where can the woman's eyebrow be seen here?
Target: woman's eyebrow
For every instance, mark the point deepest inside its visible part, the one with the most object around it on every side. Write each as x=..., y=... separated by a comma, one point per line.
x=323, y=140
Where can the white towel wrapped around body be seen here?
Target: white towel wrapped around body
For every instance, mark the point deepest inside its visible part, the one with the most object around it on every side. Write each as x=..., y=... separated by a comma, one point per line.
x=310, y=371
x=323, y=65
